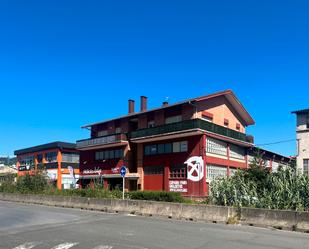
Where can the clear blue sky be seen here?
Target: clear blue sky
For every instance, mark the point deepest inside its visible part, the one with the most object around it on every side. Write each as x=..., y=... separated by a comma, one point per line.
x=67, y=63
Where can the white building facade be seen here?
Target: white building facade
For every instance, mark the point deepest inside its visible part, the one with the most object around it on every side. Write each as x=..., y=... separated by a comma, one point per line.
x=302, y=135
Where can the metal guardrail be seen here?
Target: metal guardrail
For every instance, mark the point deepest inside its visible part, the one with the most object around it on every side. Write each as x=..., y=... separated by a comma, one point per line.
x=187, y=125
x=114, y=138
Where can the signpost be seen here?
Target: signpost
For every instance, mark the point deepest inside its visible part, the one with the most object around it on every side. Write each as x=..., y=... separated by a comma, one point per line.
x=123, y=171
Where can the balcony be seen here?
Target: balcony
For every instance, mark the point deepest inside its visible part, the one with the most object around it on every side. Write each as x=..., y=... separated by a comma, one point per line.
x=187, y=125
x=102, y=142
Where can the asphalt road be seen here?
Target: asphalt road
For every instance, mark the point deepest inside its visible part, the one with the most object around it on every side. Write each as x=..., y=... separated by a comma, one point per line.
x=32, y=226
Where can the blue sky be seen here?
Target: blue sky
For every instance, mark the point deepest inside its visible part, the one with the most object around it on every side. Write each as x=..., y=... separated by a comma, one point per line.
x=68, y=63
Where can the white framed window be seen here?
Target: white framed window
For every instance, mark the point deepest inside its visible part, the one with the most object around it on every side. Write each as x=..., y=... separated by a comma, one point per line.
x=215, y=146
x=118, y=130
x=237, y=152
x=215, y=171
x=173, y=119
x=102, y=133
x=306, y=166
x=207, y=118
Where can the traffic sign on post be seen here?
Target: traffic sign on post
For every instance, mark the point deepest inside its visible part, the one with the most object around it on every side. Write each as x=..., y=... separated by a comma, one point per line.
x=123, y=171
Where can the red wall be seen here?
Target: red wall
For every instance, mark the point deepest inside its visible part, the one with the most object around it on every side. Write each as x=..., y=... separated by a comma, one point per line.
x=195, y=148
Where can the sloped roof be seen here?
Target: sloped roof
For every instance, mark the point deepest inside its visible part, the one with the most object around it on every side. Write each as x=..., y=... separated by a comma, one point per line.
x=303, y=111
x=53, y=145
x=229, y=94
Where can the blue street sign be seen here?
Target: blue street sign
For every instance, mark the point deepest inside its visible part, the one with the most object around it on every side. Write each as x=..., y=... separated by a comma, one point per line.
x=123, y=171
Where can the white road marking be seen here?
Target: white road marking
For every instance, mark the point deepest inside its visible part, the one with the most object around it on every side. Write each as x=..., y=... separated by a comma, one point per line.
x=27, y=245
x=65, y=245
x=103, y=247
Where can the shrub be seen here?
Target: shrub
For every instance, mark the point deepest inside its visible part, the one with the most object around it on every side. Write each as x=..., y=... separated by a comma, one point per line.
x=7, y=187
x=31, y=183
x=156, y=196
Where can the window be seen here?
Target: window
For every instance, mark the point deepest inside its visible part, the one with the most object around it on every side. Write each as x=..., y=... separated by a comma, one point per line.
x=215, y=171
x=180, y=146
x=168, y=148
x=147, y=150
x=226, y=122
x=307, y=121
x=153, y=170
x=237, y=152
x=118, y=153
x=173, y=119
x=40, y=158
x=178, y=171
x=274, y=166
x=150, y=150
x=70, y=157
x=111, y=154
x=108, y=154
x=176, y=147
x=151, y=124
x=161, y=148
x=183, y=146
x=51, y=157
x=157, y=149
x=153, y=149
x=207, y=118
x=306, y=166
x=118, y=130
x=27, y=160
x=215, y=146
x=102, y=133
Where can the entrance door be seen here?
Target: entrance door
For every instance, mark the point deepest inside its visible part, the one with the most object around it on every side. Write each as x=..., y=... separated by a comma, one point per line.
x=115, y=183
x=154, y=178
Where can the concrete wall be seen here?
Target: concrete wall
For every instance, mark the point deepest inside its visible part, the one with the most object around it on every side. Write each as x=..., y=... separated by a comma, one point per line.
x=280, y=219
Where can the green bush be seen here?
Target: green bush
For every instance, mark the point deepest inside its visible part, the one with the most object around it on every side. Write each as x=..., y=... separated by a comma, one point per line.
x=156, y=196
x=31, y=183
x=7, y=187
x=88, y=192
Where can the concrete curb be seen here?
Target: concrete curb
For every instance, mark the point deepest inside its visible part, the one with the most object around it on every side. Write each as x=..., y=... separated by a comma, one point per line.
x=279, y=219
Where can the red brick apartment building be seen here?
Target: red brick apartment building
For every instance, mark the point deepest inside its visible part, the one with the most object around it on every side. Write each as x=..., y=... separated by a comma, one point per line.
x=178, y=147
x=55, y=158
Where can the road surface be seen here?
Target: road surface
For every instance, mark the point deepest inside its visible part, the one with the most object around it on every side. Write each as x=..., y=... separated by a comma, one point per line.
x=39, y=227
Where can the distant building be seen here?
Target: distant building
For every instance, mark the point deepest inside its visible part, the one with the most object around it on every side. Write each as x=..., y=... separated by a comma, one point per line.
x=272, y=161
x=302, y=134
x=7, y=173
x=55, y=158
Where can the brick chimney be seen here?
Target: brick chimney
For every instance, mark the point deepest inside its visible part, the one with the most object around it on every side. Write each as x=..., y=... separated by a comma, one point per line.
x=143, y=103
x=165, y=103
x=131, y=106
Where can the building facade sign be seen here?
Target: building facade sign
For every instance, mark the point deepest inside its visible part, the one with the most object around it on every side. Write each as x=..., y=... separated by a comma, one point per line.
x=178, y=186
x=195, y=168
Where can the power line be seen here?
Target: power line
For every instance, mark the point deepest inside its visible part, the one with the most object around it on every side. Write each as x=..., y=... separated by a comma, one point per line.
x=278, y=142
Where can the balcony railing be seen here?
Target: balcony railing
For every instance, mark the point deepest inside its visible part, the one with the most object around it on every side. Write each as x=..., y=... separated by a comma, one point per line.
x=109, y=139
x=188, y=125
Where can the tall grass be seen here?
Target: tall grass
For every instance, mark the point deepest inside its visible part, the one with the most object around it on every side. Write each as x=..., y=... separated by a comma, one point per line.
x=259, y=188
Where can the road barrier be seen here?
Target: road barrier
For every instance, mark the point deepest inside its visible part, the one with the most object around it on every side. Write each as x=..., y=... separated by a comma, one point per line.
x=279, y=219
